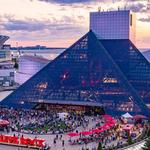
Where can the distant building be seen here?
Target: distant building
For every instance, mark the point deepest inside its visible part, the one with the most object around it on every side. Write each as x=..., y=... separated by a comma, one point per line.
x=6, y=74
x=5, y=55
x=119, y=24
x=6, y=46
x=4, y=49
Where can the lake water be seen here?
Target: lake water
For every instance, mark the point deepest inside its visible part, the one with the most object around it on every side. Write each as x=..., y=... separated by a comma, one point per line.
x=31, y=61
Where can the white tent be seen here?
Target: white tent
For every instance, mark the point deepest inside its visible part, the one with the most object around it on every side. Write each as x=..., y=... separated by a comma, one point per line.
x=127, y=115
x=62, y=115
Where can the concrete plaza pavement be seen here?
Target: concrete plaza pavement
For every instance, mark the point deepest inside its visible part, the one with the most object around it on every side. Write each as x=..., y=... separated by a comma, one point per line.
x=50, y=139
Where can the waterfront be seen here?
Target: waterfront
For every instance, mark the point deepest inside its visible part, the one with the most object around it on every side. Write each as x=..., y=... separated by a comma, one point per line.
x=49, y=54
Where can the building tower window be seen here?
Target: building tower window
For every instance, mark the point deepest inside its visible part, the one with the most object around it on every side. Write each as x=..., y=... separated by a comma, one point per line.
x=131, y=20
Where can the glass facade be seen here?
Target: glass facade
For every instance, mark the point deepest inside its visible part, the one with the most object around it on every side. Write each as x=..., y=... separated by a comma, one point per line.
x=88, y=73
x=132, y=63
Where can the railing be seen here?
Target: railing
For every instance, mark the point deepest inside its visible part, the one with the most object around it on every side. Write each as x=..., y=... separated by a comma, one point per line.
x=9, y=88
x=133, y=145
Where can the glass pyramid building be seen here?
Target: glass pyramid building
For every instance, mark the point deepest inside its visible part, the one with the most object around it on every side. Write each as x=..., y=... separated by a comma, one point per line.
x=92, y=72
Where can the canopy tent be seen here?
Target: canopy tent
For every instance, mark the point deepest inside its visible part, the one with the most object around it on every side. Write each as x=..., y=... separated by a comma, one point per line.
x=97, y=131
x=106, y=116
x=73, y=134
x=62, y=115
x=139, y=117
x=111, y=124
x=112, y=121
x=127, y=115
x=4, y=122
x=86, y=133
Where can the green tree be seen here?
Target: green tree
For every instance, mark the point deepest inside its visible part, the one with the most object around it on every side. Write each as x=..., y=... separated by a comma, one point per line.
x=148, y=134
x=147, y=144
x=99, y=146
x=129, y=139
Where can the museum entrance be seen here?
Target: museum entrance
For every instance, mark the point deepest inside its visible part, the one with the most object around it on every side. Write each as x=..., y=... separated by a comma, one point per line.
x=79, y=109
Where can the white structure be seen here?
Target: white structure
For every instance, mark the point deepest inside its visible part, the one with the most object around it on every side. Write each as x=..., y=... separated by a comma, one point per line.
x=119, y=24
x=5, y=55
x=127, y=115
x=6, y=73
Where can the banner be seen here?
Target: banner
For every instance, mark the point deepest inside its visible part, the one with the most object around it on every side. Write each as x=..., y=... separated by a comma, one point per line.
x=22, y=141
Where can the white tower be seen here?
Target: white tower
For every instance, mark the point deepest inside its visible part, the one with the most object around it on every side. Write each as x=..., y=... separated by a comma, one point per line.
x=119, y=24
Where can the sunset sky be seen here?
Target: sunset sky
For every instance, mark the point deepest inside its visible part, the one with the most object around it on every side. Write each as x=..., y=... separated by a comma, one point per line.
x=59, y=23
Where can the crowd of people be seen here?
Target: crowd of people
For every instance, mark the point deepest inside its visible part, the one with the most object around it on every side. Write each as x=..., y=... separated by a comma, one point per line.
x=49, y=122
x=111, y=138
x=40, y=121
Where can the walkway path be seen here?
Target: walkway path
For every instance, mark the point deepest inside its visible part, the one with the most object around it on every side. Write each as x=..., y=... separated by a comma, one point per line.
x=50, y=139
x=5, y=147
x=136, y=146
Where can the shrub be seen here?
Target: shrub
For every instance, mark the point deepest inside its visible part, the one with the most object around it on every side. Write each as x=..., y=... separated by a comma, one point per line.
x=129, y=139
x=99, y=146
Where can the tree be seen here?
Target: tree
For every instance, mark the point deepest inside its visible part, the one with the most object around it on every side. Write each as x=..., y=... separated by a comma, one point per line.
x=129, y=139
x=147, y=144
x=148, y=134
x=99, y=146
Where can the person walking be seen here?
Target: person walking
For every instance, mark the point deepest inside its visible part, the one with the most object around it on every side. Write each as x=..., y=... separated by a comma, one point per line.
x=60, y=136
x=63, y=143
x=55, y=142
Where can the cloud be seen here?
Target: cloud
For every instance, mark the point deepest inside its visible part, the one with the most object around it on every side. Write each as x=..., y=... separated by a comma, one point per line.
x=59, y=19
x=32, y=29
x=32, y=25
x=23, y=25
x=68, y=2
x=88, y=1
x=147, y=19
x=135, y=0
x=138, y=7
x=134, y=5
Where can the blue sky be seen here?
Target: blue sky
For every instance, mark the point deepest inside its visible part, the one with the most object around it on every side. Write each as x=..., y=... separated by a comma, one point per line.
x=62, y=22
